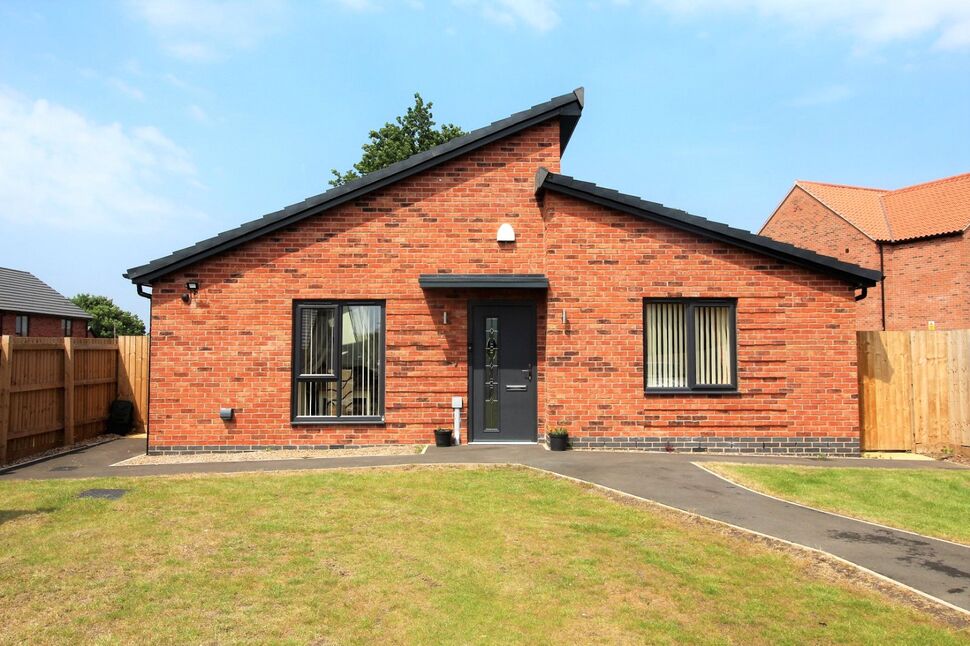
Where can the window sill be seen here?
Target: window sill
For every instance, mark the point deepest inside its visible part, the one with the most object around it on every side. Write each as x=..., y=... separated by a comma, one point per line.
x=682, y=391
x=337, y=421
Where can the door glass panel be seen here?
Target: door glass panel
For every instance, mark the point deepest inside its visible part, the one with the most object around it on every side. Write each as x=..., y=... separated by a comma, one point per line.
x=491, y=375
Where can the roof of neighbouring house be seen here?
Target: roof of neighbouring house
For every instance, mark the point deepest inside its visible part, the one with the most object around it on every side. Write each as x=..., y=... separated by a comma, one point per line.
x=21, y=291
x=567, y=107
x=935, y=208
x=704, y=227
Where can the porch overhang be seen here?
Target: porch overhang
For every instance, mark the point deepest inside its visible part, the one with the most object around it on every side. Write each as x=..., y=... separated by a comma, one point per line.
x=487, y=281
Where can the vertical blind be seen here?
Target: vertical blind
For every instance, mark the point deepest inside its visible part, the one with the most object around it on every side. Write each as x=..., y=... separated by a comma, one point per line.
x=341, y=349
x=666, y=326
x=677, y=358
x=712, y=338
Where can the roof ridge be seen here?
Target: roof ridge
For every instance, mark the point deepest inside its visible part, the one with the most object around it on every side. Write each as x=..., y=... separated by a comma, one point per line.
x=942, y=180
x=22, y=271
x=799, y=182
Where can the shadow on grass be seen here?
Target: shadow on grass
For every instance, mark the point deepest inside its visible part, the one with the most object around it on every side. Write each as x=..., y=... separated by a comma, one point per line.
x=6, y=515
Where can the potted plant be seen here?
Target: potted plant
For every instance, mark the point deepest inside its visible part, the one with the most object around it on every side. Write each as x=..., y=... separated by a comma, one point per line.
x=558, y=439
x=442, y=437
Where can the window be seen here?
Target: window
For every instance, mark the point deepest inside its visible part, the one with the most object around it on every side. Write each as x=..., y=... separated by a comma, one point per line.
x=20, y=325
x=338, y=361
x=67, y=326
x=689, y=345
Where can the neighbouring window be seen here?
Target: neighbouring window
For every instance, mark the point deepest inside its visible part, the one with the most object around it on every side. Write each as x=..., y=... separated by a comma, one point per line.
x=67, y=326
x=689, y=345
x=21, y=324
x=338, y=362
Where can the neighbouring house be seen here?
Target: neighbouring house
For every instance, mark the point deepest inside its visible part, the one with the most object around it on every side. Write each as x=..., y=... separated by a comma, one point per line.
x=31, y=307
x=476, y=274
x=917, y=236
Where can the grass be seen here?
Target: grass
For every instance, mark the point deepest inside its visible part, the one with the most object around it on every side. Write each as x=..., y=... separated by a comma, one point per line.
x=444, y=555
x=934, y=502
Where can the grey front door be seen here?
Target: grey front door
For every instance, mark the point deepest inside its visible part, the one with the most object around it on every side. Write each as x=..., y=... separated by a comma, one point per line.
x=502, y=401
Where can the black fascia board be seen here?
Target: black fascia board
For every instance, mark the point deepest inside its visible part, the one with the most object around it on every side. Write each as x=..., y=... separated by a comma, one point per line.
x=854, y=274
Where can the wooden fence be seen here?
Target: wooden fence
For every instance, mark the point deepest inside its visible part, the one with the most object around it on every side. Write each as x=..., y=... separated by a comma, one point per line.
x=914, y=390
x=55, y=392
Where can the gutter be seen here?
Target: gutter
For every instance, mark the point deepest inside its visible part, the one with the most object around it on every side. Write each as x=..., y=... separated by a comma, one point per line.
x=142, y=292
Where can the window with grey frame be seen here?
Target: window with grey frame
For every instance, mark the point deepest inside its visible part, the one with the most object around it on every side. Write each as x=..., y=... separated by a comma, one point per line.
x=21, y=325
x=690, y=345
x=338, y=361
x=67, y=326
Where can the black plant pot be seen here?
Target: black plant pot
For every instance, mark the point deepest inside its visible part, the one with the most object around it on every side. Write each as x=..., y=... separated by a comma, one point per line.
x=442, y=437
x=558, y=442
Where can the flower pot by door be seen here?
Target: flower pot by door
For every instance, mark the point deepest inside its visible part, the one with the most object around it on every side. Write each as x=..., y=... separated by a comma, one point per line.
x=558, y=442
x=442, y=437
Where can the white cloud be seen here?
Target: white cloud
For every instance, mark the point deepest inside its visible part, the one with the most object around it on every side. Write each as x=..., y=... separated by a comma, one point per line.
x=207, y=30
x=823, y=96
x=59, y=169
x=358, y=5
x=198, y=114
x=540, y=15
x=129, y=91
x=872, y=22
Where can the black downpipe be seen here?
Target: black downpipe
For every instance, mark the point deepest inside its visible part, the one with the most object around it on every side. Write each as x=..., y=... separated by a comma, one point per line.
x=142, y=292
x=865, y=292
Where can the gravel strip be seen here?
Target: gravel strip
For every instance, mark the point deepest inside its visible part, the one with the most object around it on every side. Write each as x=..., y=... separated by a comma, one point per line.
x=275, y=454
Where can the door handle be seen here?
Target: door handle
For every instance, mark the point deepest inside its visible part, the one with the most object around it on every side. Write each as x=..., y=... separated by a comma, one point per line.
x=528, y=373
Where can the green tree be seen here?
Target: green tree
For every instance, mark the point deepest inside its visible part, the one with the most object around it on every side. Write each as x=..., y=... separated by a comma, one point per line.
x=411, y=134
x=109, y=319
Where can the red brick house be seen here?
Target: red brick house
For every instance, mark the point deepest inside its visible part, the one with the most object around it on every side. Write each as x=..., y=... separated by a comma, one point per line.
x=918, y=237
x=31, y=307
x=476, y=271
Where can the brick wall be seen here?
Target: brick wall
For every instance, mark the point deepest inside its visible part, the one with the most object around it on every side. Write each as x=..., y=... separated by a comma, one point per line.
x=803, y=221
x=41, y=325
x=928, y=280
x=231, y=346
x=796, y=338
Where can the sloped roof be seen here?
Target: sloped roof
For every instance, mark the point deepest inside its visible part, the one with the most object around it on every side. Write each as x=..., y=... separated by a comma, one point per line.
x=567, y=107
x=676, y=218
x=21, y=291
x=935, y=208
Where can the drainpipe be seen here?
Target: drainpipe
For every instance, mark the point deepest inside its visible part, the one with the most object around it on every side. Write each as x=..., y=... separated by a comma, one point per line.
x=865, y=292
x=142, y=292
x=882, y=291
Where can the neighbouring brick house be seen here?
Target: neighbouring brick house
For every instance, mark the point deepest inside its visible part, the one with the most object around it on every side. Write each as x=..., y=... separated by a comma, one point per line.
x=918, y=237
x=31, y=307
x=476, y=271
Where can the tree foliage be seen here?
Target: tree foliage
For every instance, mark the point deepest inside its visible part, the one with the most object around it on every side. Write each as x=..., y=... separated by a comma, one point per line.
x=109, y=319
x=410, y=134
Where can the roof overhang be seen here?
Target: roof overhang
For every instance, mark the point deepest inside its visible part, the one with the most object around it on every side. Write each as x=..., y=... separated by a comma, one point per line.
x=486, y=281
x=853, y=274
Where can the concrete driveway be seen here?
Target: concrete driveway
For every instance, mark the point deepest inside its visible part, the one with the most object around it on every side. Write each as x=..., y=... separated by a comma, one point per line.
x=933, y=567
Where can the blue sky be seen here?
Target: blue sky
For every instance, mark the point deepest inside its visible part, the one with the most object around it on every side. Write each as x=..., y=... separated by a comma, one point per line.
x=130, y=129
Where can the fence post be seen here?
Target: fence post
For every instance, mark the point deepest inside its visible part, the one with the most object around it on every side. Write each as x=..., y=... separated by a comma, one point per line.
x=68, y=391
x=6, y=355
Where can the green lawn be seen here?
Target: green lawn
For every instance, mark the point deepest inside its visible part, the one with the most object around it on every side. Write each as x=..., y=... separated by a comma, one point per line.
x=932, y=502
x=443, y=555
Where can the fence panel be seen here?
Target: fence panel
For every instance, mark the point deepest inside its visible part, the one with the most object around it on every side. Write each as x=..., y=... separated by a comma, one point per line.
x=54, y=391
x=914, y=390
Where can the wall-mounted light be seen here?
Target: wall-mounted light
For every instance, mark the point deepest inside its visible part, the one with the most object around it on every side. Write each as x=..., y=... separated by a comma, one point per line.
x=564, y=316
x=192, y=285
x=505, y=233
x=444, y=317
